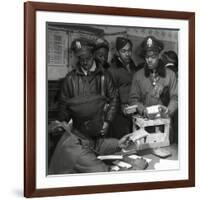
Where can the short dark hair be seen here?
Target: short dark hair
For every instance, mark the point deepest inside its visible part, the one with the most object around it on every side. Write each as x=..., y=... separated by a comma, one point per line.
x=121, y=42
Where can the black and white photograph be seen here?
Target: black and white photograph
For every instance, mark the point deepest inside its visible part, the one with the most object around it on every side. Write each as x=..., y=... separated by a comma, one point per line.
x=111, y=98
x=100, y=100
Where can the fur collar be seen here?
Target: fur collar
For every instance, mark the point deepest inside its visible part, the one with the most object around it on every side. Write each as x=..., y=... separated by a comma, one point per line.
x=160, y=69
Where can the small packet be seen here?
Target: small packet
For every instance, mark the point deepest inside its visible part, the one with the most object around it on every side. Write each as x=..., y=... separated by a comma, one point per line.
x=130, y=109
x=122, y=164
x=161, y=152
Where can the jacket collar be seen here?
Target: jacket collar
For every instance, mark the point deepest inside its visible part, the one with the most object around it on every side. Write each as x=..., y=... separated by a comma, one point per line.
x=92, y=69
x=119, y=64
x=160, y=70
x=99, y=69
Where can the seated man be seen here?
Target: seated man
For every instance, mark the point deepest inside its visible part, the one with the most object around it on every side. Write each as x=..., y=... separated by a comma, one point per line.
x=89, y=98
x=154, y=84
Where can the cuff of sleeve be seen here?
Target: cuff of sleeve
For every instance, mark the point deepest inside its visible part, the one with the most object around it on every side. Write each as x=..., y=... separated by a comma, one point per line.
x=140, y=108
x=172, y=108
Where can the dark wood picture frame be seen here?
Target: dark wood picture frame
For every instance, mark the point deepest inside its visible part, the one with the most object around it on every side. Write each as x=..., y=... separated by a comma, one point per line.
x=30, y=9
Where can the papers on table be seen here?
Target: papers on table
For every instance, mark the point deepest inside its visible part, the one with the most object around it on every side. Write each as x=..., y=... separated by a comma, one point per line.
x=110, y=157
x=136, y=156
x=167, y=165
x=122, y=164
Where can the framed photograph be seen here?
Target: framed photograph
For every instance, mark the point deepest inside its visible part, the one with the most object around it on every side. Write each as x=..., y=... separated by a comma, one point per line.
x=109, y=99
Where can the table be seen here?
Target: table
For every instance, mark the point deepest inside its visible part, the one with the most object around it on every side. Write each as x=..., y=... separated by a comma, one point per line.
x=155, y=159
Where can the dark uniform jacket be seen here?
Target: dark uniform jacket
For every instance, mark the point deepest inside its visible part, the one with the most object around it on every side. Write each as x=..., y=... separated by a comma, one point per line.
x=76, y=152
x=76, y=83
x=122, y=77
x=142, y=89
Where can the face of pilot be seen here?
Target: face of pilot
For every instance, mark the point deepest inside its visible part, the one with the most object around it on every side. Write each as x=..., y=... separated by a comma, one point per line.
x=102, y=55
x=152, y=59
x=86, y=60
x=125, y=53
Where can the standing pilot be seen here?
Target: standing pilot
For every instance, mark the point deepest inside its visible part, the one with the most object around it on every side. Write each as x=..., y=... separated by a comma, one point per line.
x=154, y=84
x=122, y=70
x=170, y=60
x=85, y=92
x=101, y=52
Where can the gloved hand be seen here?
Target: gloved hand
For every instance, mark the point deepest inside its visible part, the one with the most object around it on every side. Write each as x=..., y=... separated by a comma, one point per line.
x=127, y=143
x=141, y=109
x=164, y=111
x=128, y=110
x=124, y=142
x=123, y=108
x=145, y=113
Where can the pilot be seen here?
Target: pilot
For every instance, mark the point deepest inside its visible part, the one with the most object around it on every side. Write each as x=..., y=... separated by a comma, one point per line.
x=154, y=84
x=122, y=70
x=101, y=52
x=170, y=59
x=88, y=98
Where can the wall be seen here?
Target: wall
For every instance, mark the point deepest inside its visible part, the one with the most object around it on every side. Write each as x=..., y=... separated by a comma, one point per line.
x=60, y=58
x=11, y=101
